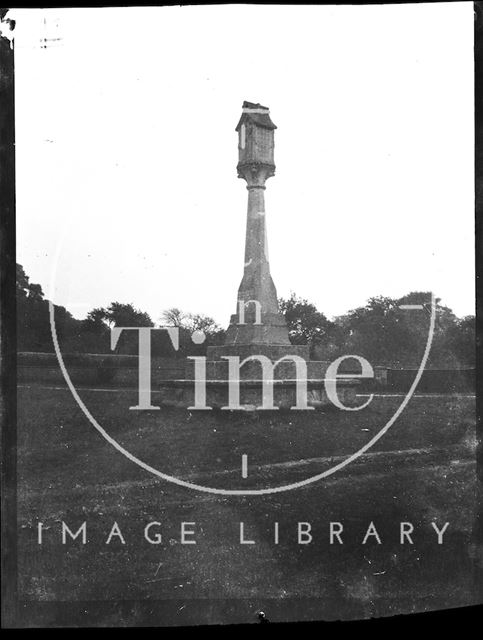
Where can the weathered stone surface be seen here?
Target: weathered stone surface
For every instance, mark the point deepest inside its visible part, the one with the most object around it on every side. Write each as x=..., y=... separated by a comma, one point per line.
x=257, y=319
x=180, y=393
x=286, y=369
x=272, y=351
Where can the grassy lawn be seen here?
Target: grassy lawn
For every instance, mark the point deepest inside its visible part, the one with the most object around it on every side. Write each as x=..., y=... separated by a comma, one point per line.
x=421, y=471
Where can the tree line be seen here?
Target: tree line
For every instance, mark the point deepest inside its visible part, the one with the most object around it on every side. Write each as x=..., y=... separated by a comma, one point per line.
x=380, y=331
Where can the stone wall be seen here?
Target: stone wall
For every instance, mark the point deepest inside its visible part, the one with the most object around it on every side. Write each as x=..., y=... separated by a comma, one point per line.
x=104, y=370
x=101, y=370
x=433, y=380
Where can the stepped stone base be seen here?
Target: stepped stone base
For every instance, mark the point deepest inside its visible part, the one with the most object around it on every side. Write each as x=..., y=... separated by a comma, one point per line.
x=272, y=351
x=180, y=393
x=272, y=330
x=286, y=380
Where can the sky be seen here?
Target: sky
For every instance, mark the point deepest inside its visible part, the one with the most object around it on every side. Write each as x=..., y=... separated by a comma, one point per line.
x=126, y=153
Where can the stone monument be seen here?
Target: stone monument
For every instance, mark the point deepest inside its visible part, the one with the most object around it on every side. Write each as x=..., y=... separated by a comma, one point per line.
x=257, y=367
x=257, y=327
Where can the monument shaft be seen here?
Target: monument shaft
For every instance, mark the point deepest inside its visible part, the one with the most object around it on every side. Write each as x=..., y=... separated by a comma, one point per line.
x=257, y=320
x=257, y=283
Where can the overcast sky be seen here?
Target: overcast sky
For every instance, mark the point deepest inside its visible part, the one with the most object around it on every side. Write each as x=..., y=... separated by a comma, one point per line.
x=126, y=153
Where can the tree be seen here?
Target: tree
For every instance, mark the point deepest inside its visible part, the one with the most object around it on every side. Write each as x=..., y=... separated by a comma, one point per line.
x=118, y=314
x=198, y=322
x=22, y=282
x=35, y=292
x=33, y=317
x=95, y=332
x=188, y=323
x=462, y=337
x=305, y=323
x=380, y=330
x=376, y=331
x=96, y=320
x=26, y=289
x=385, y=334
x=173, y=317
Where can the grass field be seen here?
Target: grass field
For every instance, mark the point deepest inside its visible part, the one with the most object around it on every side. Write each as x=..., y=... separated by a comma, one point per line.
x=421, y=471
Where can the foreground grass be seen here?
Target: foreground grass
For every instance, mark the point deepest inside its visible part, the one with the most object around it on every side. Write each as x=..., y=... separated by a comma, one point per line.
x=420, y=471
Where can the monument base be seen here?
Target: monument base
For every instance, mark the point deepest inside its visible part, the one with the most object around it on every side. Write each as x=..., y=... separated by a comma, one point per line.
x=287, y=381
x=272, y=351
x=180, y=393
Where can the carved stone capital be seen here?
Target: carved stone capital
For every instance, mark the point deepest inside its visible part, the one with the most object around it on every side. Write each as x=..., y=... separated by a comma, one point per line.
x=255, y=173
